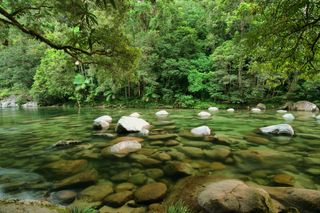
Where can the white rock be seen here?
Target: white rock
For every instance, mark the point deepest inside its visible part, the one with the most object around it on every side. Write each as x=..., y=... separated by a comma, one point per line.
x=204, y=114
x=288, y=117
x=124, y=148
x=282, y=111
x=255, y=110
x=213, y=109
x=128, y=124
x=201, y=130
x=31, y=104
x=280, y=129
x=162, y=113
x=230, y=110
x=318, y=117
x=102, y=122
x=135, y=114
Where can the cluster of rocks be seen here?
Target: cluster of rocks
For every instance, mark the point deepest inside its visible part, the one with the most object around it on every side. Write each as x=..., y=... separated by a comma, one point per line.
x=12, y=102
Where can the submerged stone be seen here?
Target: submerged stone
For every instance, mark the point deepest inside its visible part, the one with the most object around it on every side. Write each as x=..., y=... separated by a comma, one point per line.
x=66, y=167
x=86, y=177
x=118, y=199
x=124, y=148
x=150, y=193
x=283, y=179
x=97, y=192
x=177, y=168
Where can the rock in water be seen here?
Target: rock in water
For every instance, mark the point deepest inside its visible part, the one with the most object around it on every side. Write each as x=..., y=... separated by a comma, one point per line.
x=318, y=117
x=204, y=114
x=213, y=109
x=124, y=148
x=150, y=193
x=255, y=110
x=201, y=131
x=288, y=117
x=280, y=129
x=128, y=124
x=135, y=115
x=102, y=122
x=63, y=197
x=30, y=104
x=162, y=113
x=234, y=196
x=261, y=106
x=301, y=106
x=230, y=110
x=282, y=111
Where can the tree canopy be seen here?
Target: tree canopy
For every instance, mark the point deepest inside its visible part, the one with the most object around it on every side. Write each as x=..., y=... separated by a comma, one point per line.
x=175, y=52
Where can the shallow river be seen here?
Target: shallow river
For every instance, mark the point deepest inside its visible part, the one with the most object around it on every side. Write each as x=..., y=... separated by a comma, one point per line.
x=27, y=138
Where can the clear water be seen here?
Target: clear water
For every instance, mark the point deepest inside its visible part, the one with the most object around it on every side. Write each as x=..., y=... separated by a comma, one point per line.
x=27, y=136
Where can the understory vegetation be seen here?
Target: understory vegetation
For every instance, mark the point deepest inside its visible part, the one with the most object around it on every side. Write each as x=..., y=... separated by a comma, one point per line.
x=182, y=53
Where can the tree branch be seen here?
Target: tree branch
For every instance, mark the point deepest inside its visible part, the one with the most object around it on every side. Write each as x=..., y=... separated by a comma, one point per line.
x=70, y=50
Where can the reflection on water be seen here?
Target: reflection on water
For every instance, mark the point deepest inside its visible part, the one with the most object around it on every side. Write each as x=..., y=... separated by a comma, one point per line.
x=30, y=166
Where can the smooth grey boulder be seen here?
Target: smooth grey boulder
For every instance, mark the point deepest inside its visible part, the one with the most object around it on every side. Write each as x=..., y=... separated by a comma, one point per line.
x=213, y=109
x=162, y=113
x=279, y=129
x=288, y=117
x=204, y=114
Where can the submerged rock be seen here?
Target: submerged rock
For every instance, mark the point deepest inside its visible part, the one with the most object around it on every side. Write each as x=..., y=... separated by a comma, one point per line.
x=280, y=129
x=234, y=196
x=65, y=167
x=118, y=199
x=288, y=117
x=201, y=131
x=150, y=193
x=218, y=153
x=102, y=122
x=213, y=109
x=97, y=192
x=144, y=160
x=204, y=114
x=162, y=113
x=178, y=169
x=283, y=179
x=63, y=197
x=282, y=111
x=162, y=137
x=29, y=206
x=67, y=143
x=124, y=148
x=128, y=124
x=86, y=177
x=192, y=152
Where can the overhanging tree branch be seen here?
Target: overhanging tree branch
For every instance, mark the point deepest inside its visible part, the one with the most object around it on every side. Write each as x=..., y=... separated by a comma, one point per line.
x=70, y=50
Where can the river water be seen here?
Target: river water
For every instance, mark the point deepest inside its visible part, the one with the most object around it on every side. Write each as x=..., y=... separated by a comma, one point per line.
x=27, y=138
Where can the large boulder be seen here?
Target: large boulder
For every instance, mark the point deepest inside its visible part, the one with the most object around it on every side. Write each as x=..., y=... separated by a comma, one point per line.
x=304, y=200
x=9, y=102
x=64, y=168
x=301, y=106
x=234, y=196
x=128, y=124
x=201, y=131
x=279, y=129
x=124, y=148
x=102, y=122
x=150, y=193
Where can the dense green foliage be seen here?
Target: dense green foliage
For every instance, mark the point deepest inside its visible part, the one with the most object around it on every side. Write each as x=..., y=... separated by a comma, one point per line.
x=178, y=52
x=179, y=207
